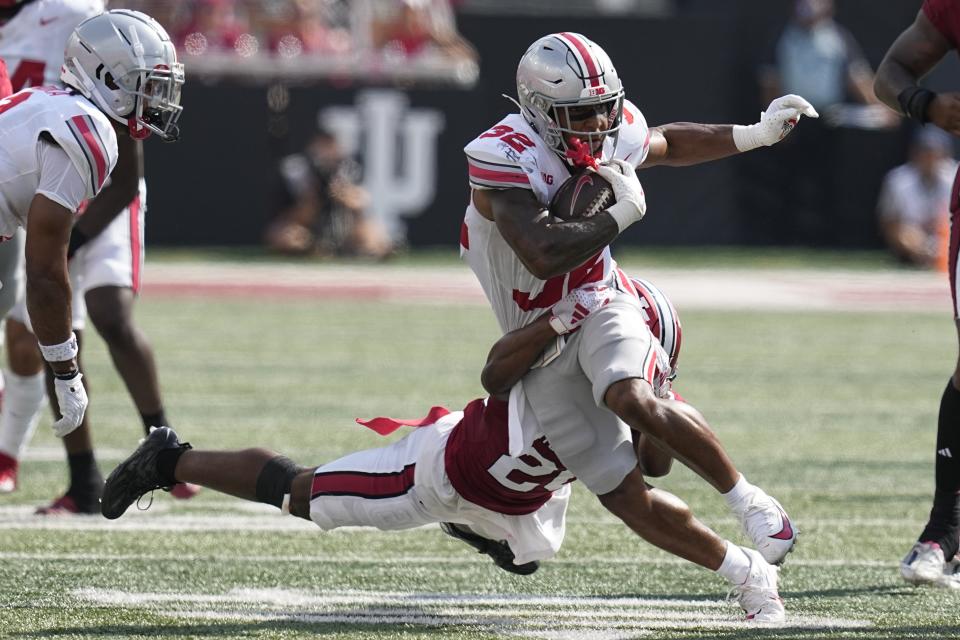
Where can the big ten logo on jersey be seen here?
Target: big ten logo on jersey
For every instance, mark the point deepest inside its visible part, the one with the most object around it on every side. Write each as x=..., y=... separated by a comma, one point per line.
x=397, y=148
x=537, y=468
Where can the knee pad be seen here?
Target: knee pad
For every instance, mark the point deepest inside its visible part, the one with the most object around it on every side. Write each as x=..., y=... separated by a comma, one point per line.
x=275, y=480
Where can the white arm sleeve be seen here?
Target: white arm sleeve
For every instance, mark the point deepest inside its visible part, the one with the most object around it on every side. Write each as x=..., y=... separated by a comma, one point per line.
x=59, y=179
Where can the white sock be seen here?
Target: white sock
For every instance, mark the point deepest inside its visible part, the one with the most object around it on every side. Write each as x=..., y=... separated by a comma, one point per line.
x=22, y=400
x=736, y=564
x=737, y=496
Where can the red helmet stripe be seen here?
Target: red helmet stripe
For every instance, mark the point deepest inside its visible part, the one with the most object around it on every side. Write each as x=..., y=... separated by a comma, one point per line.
x=664, y=317
x=584, y=53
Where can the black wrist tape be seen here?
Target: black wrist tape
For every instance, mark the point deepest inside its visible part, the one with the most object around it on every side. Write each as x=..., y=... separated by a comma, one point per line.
x=915, y=101
x=275, y=480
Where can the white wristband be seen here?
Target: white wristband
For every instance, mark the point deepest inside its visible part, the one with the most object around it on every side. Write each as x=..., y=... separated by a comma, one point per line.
x=745, y=137
x=60, y=352
x=625, y=214
x=557, y=326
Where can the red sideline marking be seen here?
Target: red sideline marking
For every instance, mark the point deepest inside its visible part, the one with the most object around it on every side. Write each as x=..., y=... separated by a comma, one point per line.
x=326, y=291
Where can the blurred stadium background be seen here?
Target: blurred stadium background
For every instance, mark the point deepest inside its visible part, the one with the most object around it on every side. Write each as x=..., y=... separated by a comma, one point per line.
x=815, y=355
x=405, y=84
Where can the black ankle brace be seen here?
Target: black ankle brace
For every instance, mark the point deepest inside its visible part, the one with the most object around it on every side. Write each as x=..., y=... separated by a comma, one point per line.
x=275, y=480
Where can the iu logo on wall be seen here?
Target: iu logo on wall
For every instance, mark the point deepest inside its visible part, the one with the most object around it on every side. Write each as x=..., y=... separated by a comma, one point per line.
x=397, y=147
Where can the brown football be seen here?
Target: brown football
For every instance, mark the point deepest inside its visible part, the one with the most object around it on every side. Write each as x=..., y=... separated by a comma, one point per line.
x=584, y=194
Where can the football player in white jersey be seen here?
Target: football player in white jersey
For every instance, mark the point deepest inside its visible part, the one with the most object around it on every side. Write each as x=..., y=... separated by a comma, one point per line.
x=455, y=468
x=106, y=251
x=587, y=399
x=144, y=101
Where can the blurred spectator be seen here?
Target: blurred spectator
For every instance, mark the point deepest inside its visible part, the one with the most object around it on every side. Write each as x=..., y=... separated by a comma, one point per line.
x=322, y=208
x=213, y=25
x=300, y=27
x=915, y=199
x=818, y=59
x=410, y=28
x=166, y=12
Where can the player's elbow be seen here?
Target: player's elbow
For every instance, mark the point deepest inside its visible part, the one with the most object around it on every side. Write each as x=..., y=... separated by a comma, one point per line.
x=543, y=262
x=493, y=382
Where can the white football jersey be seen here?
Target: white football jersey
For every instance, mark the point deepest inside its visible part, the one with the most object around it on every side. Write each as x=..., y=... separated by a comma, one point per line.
x=32, y=42
x=74, y=123
x=512, y=156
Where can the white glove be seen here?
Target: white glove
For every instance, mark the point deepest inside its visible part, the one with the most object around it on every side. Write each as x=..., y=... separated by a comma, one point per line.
x=631, y=202
x=775, y=123
x=72, y=398
x=570, y=312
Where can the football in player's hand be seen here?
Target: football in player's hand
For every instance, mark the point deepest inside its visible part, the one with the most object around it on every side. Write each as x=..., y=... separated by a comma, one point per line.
x=584, y=194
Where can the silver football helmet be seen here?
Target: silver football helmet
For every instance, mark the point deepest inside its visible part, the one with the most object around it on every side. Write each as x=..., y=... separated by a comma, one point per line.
x=125, y=62
x=558, y=76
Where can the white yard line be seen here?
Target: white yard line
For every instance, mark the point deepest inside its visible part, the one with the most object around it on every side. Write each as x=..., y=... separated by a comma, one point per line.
x=236, y=515
x=526, y=615
x=396, y=559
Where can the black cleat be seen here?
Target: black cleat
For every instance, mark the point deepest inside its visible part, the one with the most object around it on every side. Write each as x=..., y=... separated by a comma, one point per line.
x=138, y=474
x=498, y=550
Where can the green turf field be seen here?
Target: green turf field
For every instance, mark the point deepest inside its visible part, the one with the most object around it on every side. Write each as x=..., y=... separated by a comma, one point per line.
x=832, y=413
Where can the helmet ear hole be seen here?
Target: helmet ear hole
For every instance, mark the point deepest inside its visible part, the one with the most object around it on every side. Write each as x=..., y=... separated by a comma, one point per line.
x=108, y=80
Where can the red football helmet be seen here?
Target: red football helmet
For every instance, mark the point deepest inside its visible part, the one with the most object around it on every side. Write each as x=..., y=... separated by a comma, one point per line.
x=662, y=319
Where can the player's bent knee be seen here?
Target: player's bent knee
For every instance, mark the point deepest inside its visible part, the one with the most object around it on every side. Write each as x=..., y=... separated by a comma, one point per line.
x=631, y=494
x=634, y=402
x=23, y=355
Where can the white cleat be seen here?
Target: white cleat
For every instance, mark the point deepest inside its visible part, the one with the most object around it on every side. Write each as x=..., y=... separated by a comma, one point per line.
x=951, y=574
x=925, y=565
x=758, y=595
x=769, y=527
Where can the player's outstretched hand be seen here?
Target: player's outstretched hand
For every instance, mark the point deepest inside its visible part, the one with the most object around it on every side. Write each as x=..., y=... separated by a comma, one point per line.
x=568, y=314
x=775, y=123
x=631, y=203
x=944, y=111
x=72, y=398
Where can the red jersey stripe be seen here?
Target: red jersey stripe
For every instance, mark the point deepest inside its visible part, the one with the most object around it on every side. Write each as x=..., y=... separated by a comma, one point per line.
x=94, y=148
x=498, y=176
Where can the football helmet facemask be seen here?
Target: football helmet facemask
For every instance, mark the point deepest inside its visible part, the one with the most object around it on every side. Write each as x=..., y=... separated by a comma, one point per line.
x=125, y=62
x=564, y=78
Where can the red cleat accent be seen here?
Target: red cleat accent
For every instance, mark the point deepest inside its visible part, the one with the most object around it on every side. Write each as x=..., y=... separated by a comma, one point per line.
x=62, y=506
x=184, y=490
x=8, y=473
x=787, y=532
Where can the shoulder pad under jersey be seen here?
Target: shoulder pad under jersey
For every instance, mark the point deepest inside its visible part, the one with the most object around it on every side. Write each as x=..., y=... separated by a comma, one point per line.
x=634, y=141
x=82, y=130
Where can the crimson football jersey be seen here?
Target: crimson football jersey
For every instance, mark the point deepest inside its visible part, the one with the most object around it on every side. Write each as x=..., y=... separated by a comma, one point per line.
x=945, y=16
x=482, y=471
